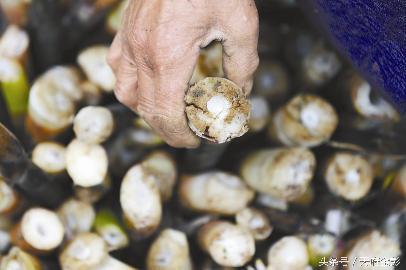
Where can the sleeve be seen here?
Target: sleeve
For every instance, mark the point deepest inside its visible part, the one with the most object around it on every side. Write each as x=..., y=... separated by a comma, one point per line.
x=372, y=34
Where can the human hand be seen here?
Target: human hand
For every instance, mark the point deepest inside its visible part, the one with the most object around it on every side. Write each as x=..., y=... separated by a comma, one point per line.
x=154, y=54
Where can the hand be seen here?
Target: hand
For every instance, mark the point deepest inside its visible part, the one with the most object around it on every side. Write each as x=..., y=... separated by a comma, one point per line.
x=154, y=54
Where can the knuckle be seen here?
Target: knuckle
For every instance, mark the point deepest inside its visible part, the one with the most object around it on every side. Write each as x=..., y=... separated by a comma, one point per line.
x=254, y=63
x=251, y=28
x=112, y=59
x=252, y=14
x=121, y=95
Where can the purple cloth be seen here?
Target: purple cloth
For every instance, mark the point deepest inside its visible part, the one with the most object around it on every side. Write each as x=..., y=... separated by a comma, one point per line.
x=372, y=33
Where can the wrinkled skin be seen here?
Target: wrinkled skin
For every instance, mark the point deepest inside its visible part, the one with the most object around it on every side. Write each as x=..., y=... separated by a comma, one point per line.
x=154, y=54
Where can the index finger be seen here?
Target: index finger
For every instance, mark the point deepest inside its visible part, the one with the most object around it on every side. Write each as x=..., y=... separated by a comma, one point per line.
x=172, y=67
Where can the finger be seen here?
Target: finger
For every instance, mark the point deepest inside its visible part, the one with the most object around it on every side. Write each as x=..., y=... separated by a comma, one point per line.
x=174, y=131
x=240, y=58
x=164, y=107
x=115, y=53
x=126, y=83
x=165, y=112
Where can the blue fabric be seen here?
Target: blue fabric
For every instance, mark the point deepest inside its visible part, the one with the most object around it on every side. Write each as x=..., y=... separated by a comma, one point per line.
x=372, y=33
